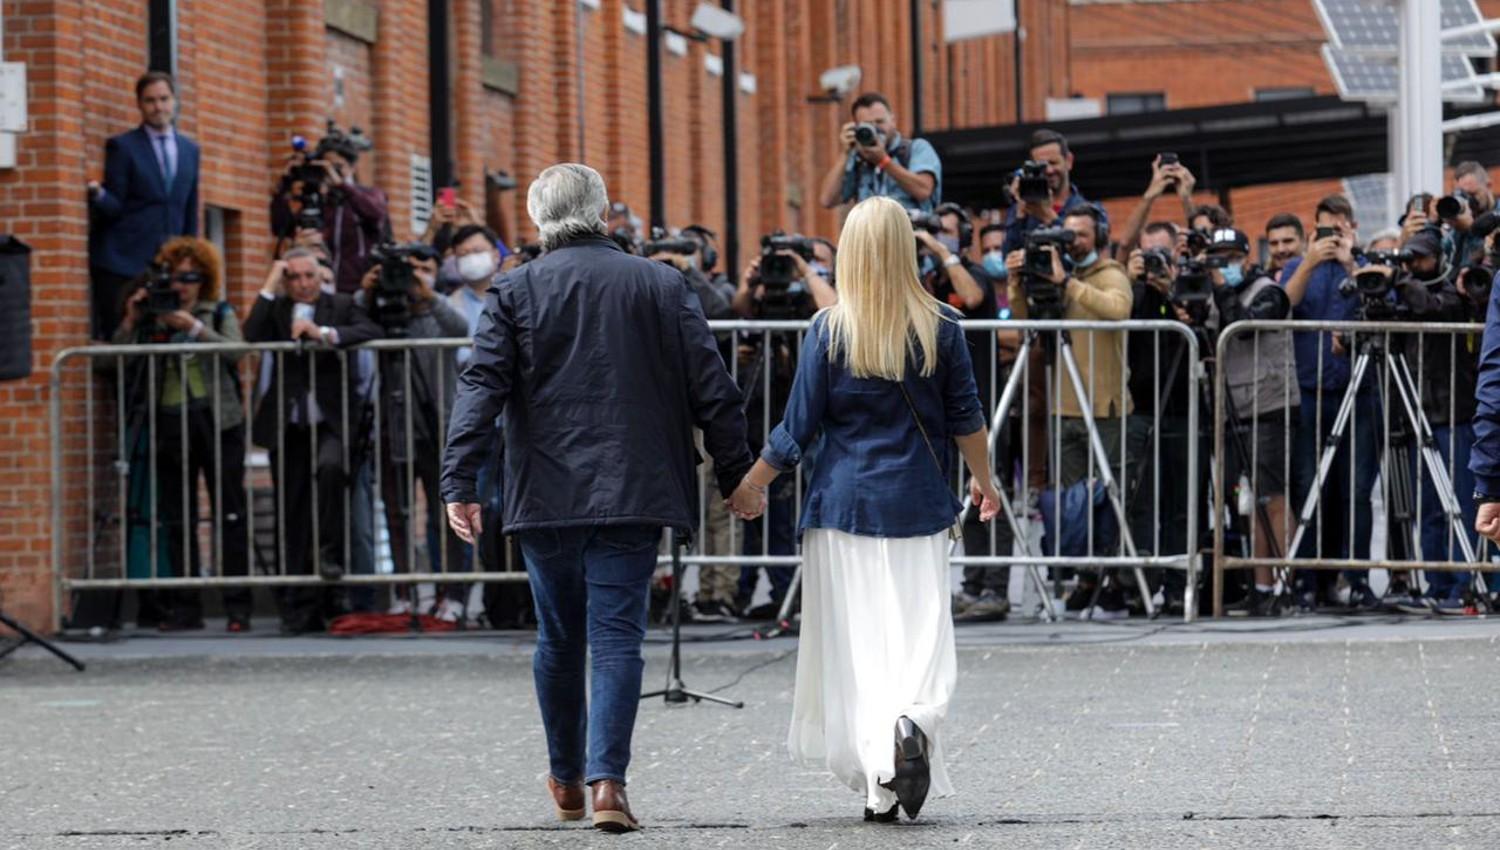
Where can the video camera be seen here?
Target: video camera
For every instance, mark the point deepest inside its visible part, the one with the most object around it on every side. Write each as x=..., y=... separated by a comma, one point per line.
x=395, y=289
x=1193, y=288
x=1044, y=299
x=1032, y=188
x=663, y=242
x=1372, y=284
x=778, y=274
x=1450, y=207
x=309, y=172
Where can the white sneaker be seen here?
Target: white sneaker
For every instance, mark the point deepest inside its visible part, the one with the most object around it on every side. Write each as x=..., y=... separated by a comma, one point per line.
x=449, y=611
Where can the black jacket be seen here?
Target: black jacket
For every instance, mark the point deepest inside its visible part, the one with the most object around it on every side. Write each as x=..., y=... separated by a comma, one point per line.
x=602, y=364
x=1445, y=368
x=271, y=321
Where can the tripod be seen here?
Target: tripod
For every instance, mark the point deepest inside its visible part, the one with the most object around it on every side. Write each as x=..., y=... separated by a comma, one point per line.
x=676, y=691
x=1398, y=372
x=29, y=636
x=1064, y=346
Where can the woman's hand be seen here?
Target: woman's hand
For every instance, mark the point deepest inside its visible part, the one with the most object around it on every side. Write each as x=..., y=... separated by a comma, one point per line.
x=747, y=501
x=986, y=496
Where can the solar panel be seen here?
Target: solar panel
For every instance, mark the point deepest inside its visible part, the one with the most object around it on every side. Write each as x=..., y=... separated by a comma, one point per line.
x=1377, y=79
x=1371, y=26
x=1369, y=194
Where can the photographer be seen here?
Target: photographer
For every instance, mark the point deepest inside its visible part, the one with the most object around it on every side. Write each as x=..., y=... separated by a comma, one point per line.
x=1446, y=372
x=810, y=290
x=1312, y=284
x=874, y=160
x=1286, y=241
x=398, y=293
x=1256, y=370
x=1044, y=203
x=199, y=424
x=301, y=395
x=1167, y=175
x=685, y=253
x=320, y=193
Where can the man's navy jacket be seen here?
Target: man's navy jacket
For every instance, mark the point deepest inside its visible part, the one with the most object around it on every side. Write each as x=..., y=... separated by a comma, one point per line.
x=138, y=211
x=602, y=364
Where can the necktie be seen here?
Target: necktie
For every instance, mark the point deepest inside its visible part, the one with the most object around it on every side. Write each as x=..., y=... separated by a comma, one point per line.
x=166, y=162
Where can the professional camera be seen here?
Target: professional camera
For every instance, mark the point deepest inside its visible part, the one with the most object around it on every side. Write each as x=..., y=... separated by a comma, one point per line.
x=1479, y=282
x=1044, y=299
x=1032, y=188
x=1373, y=284
x=662, y=242
x=777, y=271
x=930, y=222
x=161, y=298
x=396, y=288
x=1452, y=206
x=627, y=240
x=1157, y=260
x=865, y=135
x=1198, y=242
x=1193, y=288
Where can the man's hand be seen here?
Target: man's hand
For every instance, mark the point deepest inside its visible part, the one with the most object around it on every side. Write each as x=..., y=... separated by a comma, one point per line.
x=1338, y=346
x=465, y=213
x=1014, y=262
x=134, y=312
x=1183, y=178
x=986, y=496
x=1135, y=267
x=1345, y=253
x=95, y=190
x=1487, y=523
x=931, y=243
x=875, y=154
x=1059, y=276
x=372, y=275
x=304, y=329
x=677, y=261
x=465, y=521
x=179, y=320
x=1161, y=179
x=746, y=502
x=307, y=237
x=1323, y=250
x=275, y=285
x=750, y=275
x=334, y=177
x=846, y=138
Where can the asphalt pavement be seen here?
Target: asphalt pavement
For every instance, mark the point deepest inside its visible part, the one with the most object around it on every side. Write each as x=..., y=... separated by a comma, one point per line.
x=1307, y=733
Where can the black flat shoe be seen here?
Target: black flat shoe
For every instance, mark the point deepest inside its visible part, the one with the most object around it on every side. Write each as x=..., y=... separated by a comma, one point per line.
x=913, y=767
x=882, y=817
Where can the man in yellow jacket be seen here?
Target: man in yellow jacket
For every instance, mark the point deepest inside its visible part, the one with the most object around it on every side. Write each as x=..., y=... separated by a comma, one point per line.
x=1097, y=289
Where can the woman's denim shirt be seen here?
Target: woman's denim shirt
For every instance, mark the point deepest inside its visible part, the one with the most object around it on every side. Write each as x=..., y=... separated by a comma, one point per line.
x=874, y=475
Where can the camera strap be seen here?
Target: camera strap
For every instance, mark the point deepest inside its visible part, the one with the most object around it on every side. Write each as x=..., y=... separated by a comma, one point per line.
x=954, y=531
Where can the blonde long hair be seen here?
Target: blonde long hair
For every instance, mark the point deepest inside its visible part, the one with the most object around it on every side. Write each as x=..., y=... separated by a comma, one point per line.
x=883, y=315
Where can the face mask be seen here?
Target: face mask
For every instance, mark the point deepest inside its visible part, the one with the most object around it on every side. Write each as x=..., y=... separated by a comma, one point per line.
x=949, y=242
x=1086, y=260
x=994, y=264
x=1234, y=275
x=819, y=269
x=476, y=267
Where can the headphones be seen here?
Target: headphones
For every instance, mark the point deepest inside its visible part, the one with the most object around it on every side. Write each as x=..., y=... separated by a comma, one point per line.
x=710, y=253
x=1101, y=224
x=965, y=227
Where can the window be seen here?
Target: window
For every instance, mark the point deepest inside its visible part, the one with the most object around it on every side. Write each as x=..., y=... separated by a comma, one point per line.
x=487, y=27
x=161, y=35
x=1284, y=93
x=1135, y=103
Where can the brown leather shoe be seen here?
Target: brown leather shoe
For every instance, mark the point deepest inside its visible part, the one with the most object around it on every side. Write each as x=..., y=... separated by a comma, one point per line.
x=568, y=798
x=611, y=809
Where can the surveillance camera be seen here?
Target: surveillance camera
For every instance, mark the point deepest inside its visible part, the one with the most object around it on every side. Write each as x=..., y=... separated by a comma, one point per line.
x=840, y=81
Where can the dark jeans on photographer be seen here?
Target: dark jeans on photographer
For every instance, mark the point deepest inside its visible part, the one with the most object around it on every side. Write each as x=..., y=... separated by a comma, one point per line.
x=1331, y=522
x=219, y=458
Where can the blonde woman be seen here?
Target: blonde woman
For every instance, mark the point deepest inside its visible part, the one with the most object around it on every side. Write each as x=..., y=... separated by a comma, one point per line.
x=885, y=377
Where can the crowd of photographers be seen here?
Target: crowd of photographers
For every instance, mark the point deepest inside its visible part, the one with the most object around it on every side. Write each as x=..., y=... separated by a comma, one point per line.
x=338, y=428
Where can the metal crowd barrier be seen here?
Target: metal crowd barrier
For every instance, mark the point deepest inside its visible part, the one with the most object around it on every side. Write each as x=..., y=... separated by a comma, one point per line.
x=109, y=455
x=1381, y=430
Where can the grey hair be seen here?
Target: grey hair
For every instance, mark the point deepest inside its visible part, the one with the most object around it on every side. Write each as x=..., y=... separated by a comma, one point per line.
x=567, y=201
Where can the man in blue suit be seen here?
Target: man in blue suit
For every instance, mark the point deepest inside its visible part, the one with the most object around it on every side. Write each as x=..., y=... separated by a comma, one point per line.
x=149, y=195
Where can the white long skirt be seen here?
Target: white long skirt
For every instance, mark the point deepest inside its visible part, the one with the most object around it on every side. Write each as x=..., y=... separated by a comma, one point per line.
x=877, y=643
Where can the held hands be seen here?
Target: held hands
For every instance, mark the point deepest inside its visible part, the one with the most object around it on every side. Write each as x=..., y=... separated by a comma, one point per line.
x=464, y=519
x=304, y=329
x=986, y=496
x=748, y=501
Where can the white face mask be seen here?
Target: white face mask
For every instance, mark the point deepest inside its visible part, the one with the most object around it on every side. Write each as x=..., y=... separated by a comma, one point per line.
x=476, y=267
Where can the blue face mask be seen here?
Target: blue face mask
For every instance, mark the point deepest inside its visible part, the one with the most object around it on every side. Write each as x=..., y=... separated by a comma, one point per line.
x=1086, y=260
x=994, y=264
x=819, y=269
x=927, y=265
x=949, y=242
x=1234, y=275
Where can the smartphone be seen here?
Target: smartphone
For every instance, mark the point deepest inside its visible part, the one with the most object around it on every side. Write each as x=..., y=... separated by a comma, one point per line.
x=1167, y=158
x=1325, y=233
x=446, y=197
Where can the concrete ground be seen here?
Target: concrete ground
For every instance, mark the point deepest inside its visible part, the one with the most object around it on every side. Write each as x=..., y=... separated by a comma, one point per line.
x=1305, y=733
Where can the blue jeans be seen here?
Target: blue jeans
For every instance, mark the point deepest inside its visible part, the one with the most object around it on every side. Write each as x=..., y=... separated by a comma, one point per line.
x=1438, y=544
x=1339, y=540
x=590, y=585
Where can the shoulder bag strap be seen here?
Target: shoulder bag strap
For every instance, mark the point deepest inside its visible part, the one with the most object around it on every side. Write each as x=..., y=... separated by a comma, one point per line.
x=954, y=531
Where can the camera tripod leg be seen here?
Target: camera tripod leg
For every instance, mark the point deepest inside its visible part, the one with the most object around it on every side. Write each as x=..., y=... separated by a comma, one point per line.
x=675, y=691
x=1328, y=450
x=29, y=636
x=1007, y=507
x=1106, y=475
